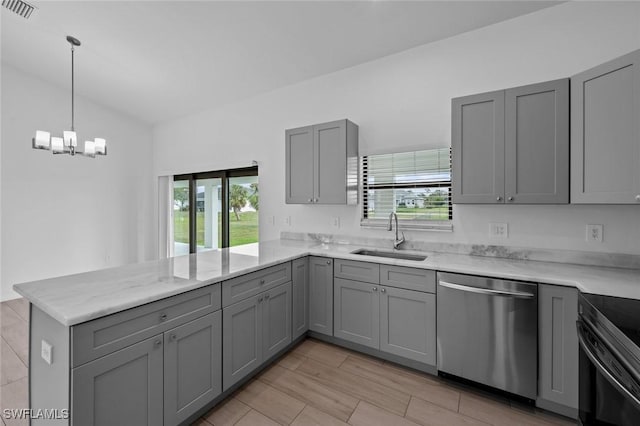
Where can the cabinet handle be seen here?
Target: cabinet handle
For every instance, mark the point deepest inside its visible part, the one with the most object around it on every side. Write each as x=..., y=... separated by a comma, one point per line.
x=262, y=281
x=174, y=337
x=510, y=198
x=163, y=317
x=375, y=289
x=638, y=198
x=498, y=198
x=328, y=262
x=260, y=299
x=383, y=290
x=266, y=296
x=158, y=343
x=315, y=200
x=311, y=200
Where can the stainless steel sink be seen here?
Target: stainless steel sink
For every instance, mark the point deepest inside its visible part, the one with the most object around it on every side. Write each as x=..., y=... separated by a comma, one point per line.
x=390, y=254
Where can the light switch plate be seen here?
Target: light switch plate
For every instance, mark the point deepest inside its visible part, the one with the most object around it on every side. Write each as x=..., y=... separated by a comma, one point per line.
x=595, y=233
x=46, y=352
x=335, y=221
x=499, y=230
x=287, y=220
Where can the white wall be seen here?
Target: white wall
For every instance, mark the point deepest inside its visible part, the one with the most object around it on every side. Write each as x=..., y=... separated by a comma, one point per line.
x=403, y=101
x=63, y=215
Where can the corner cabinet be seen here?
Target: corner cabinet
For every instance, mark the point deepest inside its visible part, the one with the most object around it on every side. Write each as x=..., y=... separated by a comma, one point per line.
x=605, y=133
x=558, y=349
x=321, y=295
x=512, y=146
x=155, y=364
x=322, y=164
x=300, y=297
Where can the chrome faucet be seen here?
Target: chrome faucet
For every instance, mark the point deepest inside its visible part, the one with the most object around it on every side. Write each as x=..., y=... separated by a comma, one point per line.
x=398, y=241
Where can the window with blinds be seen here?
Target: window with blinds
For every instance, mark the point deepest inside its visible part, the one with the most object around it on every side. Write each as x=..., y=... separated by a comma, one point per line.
x=416, y=185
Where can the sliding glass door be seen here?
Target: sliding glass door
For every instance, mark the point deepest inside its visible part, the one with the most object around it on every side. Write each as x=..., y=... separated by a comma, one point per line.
x=215, y=209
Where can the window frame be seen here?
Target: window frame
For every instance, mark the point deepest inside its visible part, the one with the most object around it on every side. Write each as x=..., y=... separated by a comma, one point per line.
x=224, y=176
x=407, y=224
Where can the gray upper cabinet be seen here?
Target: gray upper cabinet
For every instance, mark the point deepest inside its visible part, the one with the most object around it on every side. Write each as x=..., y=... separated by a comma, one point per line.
x=537, y=143
x=321, y=295
x=123, y=387
x=300, y=165
x=192, y=367
x=300, y=297
x=322, y=164
x=477, y=148
x=605, y=133
x=558, y=349
x=512, y=146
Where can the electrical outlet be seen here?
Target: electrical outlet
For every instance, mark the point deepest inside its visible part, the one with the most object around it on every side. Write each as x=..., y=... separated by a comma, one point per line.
x=499, y=230
x=46, y=351
x=595, y=233
x=335, y=221
x=287, y=220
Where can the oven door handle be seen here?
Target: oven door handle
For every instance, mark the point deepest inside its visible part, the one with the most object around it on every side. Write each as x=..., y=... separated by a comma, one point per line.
x=487, y=291
x=601, y=368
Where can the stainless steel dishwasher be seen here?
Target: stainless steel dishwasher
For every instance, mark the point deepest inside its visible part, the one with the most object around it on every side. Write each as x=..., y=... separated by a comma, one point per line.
x=488, y=331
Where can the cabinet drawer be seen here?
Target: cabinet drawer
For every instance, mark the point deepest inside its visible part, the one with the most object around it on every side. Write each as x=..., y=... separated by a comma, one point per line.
x=102, y=336
x=408, y=278
x=358, y=271
x=237, y=289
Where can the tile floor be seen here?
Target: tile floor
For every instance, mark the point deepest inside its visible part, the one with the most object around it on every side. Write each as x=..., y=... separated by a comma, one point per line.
x=314, y=384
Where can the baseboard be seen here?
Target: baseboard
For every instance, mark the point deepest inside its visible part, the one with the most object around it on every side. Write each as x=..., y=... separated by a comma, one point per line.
x=554, y=407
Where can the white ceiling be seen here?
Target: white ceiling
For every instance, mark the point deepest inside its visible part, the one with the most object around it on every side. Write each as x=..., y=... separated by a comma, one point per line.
x=158, y=60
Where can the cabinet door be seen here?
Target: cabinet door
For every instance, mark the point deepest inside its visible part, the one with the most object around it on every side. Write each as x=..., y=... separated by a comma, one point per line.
x=241, y=340
x=477, y=143
x=537, y=143
x=330, y=153
x=558, y=345
x=123, y=387
x=356, y=315
x=300, y=165
x=300, y=297
x=408, y=324
x=192, y=367
x=276, y=320
x=321, y=295
x=605, y=133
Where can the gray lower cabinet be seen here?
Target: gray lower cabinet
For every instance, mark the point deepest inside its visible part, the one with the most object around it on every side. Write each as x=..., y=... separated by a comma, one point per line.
x=241, y=340
x=300, y=297
x=254, y=330
x=356, y=315
x=605, y=133
x=124, y=387
x=393, y=320
x=321, y=295
x=512, y=146
x=276, y=320
x=408, y=324
x=557, y=349
x=192, y=367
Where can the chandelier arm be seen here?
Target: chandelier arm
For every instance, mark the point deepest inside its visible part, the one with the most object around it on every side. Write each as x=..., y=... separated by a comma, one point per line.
x=72, y=92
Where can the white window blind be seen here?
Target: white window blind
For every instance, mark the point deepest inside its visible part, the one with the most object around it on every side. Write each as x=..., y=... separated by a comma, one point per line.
x=416, y=185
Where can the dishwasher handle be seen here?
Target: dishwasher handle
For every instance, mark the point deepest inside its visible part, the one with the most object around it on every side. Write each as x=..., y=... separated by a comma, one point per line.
x=487, y=291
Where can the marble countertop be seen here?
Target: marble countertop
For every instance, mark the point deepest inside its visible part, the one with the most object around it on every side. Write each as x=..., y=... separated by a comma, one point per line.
x=74, y=299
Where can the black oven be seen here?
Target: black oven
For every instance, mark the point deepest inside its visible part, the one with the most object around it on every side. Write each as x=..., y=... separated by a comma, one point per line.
x=609, y=336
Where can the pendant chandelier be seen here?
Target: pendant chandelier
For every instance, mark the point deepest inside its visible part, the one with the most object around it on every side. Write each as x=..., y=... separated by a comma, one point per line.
x=67, y=144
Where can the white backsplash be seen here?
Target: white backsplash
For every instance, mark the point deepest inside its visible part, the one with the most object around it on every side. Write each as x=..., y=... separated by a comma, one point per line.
x=615, y=260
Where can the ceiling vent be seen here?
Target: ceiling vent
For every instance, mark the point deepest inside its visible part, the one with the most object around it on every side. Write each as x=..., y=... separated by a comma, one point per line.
x=19, y=7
